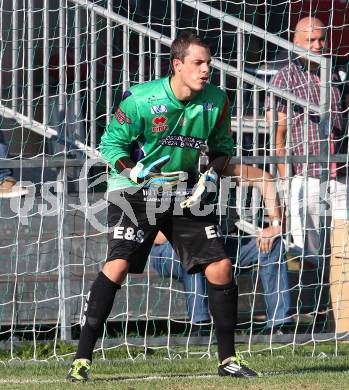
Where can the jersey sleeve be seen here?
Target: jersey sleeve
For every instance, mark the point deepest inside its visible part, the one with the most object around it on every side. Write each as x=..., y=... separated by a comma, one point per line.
x=124, y=128
x=220, y=141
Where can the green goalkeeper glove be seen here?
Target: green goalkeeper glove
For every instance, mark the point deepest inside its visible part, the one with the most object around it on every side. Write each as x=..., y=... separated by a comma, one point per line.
x=151, y=176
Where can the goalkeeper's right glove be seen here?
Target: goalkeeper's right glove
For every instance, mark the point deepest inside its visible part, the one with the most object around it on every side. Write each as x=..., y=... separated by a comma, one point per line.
x=152, y=176
x=206, y=185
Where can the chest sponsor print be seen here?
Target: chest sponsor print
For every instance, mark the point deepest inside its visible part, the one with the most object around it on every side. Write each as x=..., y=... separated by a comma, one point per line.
x=182, y=141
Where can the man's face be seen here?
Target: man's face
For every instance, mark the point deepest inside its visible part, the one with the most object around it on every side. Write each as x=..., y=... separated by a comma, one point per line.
x=312, y=39
x=193, y=72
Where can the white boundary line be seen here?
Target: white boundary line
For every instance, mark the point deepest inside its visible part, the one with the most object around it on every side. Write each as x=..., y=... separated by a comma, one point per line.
x=107, y=379
x=98, y=379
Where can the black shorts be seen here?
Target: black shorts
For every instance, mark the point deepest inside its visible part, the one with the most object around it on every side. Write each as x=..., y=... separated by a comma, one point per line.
x=134, y=223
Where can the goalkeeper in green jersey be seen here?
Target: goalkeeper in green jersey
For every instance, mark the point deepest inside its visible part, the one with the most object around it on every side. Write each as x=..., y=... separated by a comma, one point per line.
x=175, y=119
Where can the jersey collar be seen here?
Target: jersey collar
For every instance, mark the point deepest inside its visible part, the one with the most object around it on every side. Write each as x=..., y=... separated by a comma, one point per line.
x=175, y=101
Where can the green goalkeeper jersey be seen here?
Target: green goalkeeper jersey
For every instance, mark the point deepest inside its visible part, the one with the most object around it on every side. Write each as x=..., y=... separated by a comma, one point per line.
x=151, y=114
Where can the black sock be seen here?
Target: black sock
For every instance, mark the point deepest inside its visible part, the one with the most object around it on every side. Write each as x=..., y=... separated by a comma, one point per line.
x=223, y=300
x=99, y=302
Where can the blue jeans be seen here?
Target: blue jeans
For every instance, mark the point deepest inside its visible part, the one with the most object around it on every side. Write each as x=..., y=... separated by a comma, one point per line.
x=272, y=270
x=4, y=172
x=165, y=261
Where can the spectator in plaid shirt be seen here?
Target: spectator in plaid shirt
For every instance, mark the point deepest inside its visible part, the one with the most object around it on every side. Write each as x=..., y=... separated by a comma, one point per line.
x=301, y=78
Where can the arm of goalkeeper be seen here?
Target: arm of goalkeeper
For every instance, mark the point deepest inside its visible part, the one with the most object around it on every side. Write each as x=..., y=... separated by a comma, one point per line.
x=151, y=176
x=206, y=185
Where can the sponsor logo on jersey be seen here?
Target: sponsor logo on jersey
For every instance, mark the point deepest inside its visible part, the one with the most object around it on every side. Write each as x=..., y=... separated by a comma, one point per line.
x=182, y=141
x=208, y=106
x=213, y=231
x=165, y=195
x=158, y=109
x=128, y=233
x=121, y=117
x=159, y=129
x=160, y=122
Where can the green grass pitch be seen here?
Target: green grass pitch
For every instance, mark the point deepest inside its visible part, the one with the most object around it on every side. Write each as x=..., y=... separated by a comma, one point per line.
x=303, y=368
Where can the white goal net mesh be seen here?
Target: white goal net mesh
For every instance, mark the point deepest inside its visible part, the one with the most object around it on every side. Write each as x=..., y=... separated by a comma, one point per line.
x=63, y=68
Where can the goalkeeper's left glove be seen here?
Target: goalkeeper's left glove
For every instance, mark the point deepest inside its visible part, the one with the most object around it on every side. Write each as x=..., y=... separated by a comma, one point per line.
x=206, y=185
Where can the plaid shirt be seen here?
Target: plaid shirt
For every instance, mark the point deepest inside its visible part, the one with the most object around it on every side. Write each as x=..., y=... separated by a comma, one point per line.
x=305, y=84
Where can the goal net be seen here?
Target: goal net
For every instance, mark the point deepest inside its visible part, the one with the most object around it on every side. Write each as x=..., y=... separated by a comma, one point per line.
x=63, y=68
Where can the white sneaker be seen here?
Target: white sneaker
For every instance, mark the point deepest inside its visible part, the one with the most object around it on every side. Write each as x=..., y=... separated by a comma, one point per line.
x=9, y=188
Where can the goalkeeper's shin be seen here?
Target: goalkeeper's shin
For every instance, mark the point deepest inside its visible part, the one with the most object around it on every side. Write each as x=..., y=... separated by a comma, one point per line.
x=99, y=302
x=222, y=300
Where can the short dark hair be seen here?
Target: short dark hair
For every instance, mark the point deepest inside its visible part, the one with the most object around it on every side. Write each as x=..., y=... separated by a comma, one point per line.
x=180, y=45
